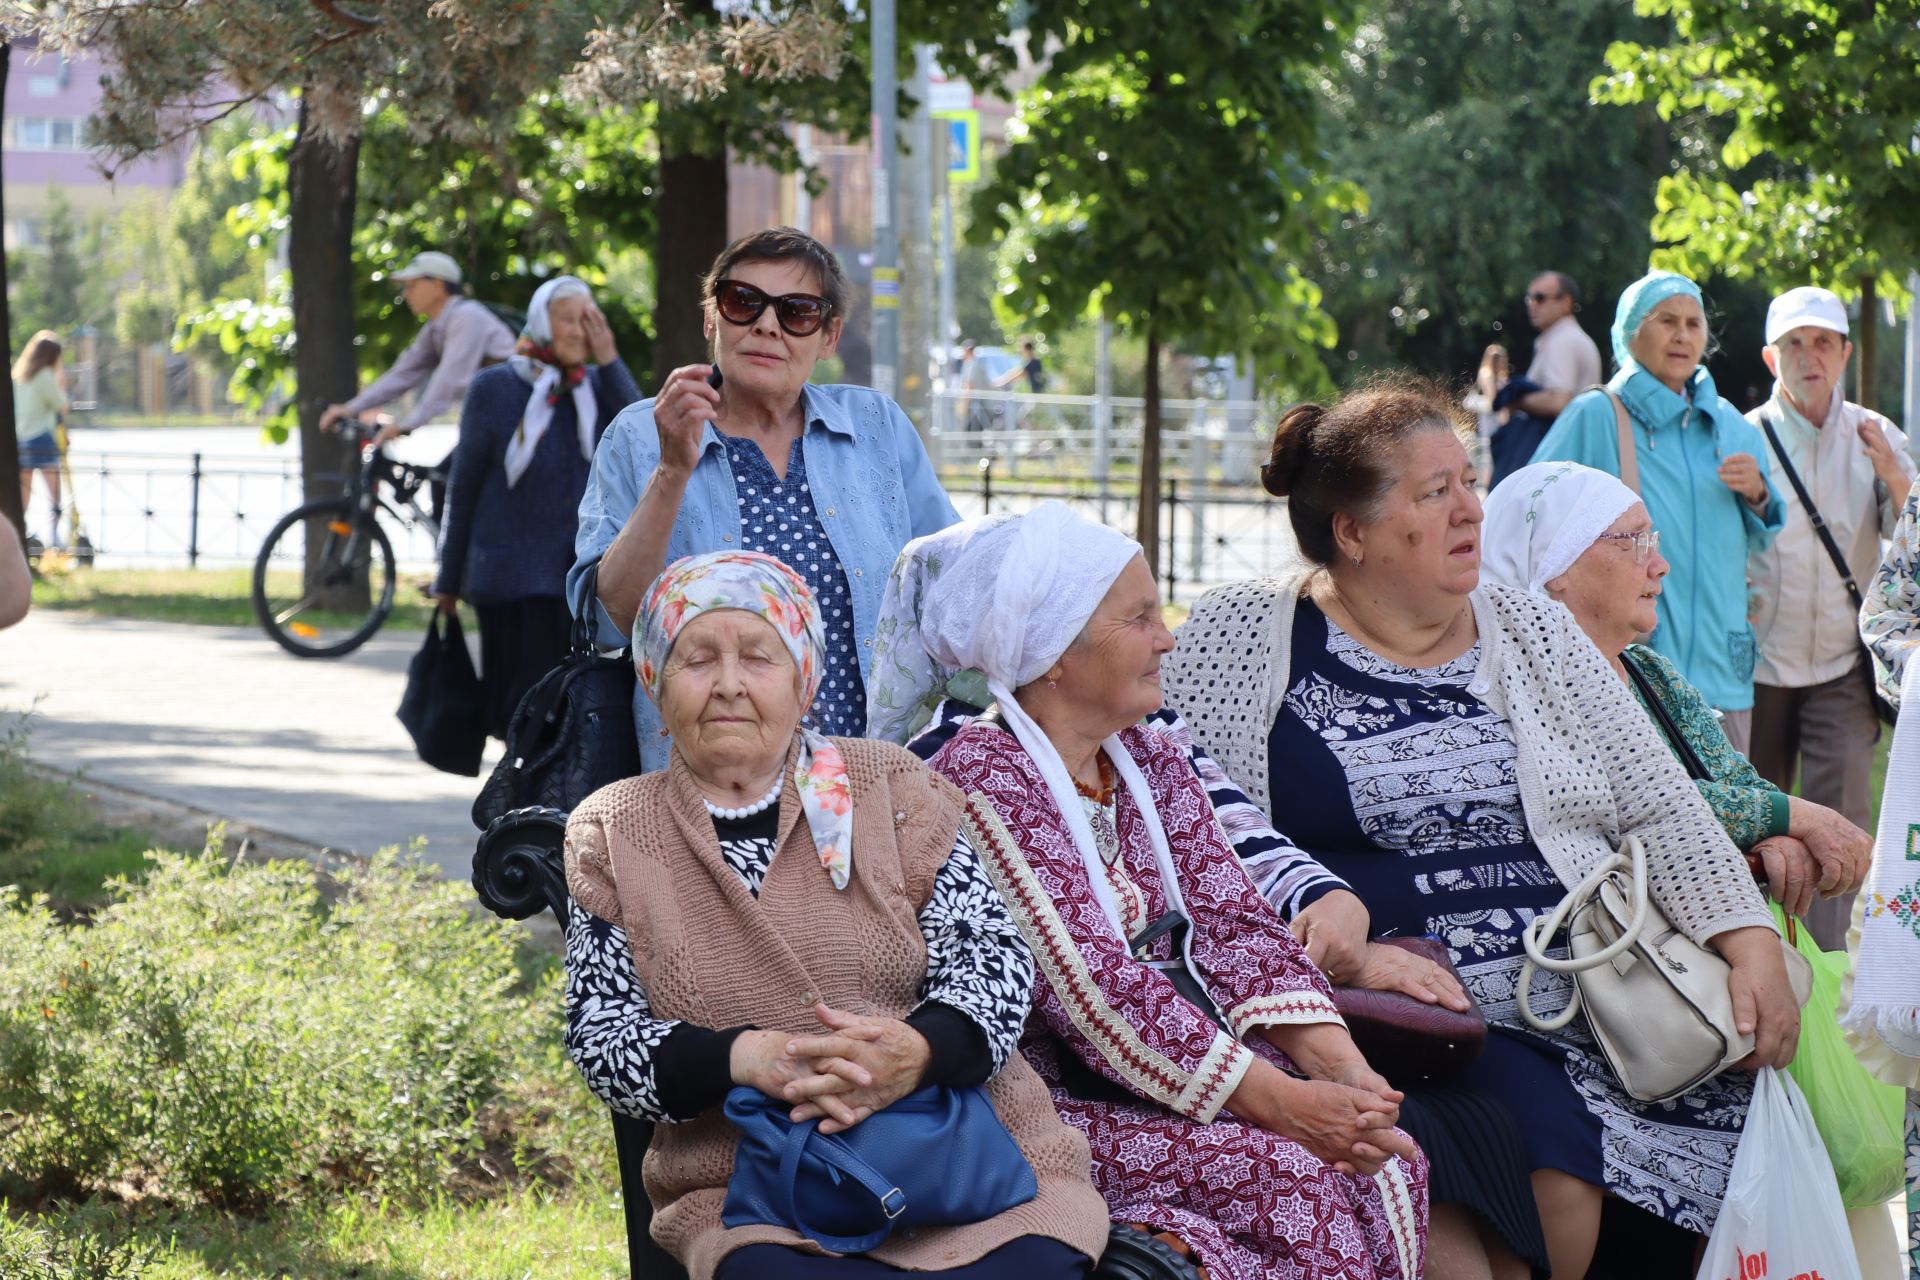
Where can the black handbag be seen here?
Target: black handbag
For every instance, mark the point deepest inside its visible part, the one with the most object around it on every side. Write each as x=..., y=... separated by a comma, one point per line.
x=571, y=734
x=441, y=707
x=1881, y=707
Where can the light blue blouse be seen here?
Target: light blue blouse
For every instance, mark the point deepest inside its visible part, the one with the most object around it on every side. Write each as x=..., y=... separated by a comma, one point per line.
x=1707, y=531
x=873, y=487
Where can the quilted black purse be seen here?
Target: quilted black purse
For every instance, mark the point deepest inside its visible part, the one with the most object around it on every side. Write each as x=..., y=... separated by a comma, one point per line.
x=571, y=734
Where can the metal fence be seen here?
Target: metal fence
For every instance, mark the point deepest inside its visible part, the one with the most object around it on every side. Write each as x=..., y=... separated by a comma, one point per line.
x=170, y=510
x=1091, y=437
x=210, y=510
x=1210, y=533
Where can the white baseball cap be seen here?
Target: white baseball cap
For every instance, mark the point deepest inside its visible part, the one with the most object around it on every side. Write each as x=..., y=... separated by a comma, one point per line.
x=437, y=266
x=1806, y=305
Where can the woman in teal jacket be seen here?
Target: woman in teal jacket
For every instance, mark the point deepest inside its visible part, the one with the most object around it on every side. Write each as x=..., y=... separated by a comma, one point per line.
x=1700, y=477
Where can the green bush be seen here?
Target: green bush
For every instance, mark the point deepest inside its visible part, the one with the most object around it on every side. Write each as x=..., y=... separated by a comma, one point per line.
x=220, y=1033
x=28, y=1252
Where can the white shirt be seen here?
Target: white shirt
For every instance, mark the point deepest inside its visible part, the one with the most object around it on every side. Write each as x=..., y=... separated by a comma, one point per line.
x=1564, y=358
x=1803, y=619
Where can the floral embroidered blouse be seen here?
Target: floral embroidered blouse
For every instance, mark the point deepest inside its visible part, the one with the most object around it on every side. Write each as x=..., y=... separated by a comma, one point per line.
x=1747, y=805
x=1890, y=616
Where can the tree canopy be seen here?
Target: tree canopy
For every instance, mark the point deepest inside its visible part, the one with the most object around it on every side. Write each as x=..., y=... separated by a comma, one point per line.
x=1818, y=173
x=1167, y=172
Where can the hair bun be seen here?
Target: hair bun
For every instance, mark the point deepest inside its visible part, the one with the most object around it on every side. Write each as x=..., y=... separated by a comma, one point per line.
x=1291, y=447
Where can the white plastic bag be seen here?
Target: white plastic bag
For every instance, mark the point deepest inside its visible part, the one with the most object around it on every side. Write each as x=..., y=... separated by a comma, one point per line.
x=1782, y=1218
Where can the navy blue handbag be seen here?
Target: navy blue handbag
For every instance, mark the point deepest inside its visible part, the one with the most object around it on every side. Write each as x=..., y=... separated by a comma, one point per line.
x=938, y=1157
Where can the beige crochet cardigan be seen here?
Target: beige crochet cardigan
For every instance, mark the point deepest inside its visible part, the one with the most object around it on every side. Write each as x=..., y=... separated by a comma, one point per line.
x=1591, y=765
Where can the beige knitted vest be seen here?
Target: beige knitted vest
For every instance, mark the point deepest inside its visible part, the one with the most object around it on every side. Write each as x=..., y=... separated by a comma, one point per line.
x=643, y=854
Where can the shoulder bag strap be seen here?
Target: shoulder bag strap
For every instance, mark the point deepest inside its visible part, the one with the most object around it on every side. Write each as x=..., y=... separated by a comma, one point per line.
x=1813, y=513
x=1623, y=432
x=1632, y=856
x=1696, y=768
x=806, y=1139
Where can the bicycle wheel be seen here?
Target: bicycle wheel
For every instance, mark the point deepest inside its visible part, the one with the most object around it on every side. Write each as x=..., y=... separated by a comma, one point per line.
x=306, y=590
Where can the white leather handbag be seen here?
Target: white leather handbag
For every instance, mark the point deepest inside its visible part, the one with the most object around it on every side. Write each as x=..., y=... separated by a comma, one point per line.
x=1657, y=1001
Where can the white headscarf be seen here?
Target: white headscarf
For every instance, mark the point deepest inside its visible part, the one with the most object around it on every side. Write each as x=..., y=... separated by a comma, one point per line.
x=546, y=380
x=1543, y=517
x=1006, y=597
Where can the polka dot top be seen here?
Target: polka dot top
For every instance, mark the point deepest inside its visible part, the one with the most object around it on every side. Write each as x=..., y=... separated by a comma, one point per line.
x=777, y=517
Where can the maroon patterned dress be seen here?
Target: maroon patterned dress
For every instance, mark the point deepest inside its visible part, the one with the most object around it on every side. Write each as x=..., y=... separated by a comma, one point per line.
x=1143, y=1072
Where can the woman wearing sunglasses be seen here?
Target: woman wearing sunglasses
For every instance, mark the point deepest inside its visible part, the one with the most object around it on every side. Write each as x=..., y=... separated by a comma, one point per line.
x=744, y=454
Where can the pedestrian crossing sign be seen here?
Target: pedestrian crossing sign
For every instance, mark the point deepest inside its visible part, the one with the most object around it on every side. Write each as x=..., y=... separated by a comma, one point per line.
x=963, y=144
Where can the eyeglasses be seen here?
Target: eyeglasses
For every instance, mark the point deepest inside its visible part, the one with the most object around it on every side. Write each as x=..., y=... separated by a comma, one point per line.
x=1544, y=297
x=1645, y=543
x=800, y=314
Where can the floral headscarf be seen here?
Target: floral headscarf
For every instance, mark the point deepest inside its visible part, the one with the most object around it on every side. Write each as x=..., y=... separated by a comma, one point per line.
x=1638, y=302
x=763, y=586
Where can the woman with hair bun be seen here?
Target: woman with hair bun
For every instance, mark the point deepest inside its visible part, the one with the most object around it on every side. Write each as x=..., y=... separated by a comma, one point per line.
x=1462, y=755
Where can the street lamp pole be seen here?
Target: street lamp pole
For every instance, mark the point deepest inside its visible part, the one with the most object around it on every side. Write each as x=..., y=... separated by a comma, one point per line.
x=886, y=239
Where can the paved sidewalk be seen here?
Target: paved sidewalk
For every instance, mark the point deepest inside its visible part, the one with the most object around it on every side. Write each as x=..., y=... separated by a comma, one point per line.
x=221, y=719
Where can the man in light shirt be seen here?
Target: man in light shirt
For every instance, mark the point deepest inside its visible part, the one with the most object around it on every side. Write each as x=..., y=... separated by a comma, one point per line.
x=1565, y=360
x=1565, y=363
x=1812, y=710
x=460, y=336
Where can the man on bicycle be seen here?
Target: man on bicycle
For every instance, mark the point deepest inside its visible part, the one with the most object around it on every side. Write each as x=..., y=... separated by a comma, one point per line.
x=460, y=336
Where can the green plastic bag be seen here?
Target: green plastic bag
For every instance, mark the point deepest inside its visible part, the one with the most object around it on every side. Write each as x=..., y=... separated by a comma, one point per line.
x=1861, y=1120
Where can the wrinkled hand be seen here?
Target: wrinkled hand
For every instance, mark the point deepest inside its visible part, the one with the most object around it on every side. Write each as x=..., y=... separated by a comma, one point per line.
x=1879, y=450
x=1334, y=932
x=1844, y=851
x=600, y=344
x=1763, y=1002
x=1791, y=873
x=1391, y=969
x=1351, y=1129
x=680, y=414
x=861, y=1066
x=1740, y=473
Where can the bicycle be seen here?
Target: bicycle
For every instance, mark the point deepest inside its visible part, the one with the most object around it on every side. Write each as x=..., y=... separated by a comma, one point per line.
x=330, y=542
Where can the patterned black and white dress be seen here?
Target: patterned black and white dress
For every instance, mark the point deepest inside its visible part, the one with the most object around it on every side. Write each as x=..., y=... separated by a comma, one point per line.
x=1403, y=783
x=974, y=1000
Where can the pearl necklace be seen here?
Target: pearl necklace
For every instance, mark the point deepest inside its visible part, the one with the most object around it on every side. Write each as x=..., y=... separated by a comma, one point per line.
x=758, y=806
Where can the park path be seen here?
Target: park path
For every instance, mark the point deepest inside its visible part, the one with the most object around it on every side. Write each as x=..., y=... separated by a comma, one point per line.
x=219, y=719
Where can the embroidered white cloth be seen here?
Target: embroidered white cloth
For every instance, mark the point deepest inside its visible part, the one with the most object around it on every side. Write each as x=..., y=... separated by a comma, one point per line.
x=545, y=378
x=1543, y=517
x=905, y=682
x=1006, y=597
x=1880, y=997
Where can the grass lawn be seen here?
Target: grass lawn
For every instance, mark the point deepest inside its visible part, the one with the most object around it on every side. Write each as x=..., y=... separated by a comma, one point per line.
x=52, y=843
x=575, y=1234
x=219, y=597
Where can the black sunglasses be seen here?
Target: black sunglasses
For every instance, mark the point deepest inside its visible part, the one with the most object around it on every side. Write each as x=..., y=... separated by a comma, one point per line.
x=800, y=314
x=1543, y=297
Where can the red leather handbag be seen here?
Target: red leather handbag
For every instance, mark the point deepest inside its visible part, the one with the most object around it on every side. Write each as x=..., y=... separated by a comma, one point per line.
x=1407, y=1040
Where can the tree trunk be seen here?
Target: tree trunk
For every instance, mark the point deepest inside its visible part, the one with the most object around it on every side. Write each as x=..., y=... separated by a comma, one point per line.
x=692, y=212
x=9, y=442
x=1869, y=389
x=322, y=180
x=1146, y=528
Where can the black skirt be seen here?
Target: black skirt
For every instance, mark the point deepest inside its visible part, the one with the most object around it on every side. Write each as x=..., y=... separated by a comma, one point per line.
x=520, y=641
x=1477, y=1160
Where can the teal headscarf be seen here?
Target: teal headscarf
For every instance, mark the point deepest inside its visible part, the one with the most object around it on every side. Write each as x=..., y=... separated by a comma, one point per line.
x=1641, y=297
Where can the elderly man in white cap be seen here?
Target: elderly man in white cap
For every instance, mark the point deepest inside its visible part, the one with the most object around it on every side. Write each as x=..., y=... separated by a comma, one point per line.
x=1813, y=711
x=460, y=336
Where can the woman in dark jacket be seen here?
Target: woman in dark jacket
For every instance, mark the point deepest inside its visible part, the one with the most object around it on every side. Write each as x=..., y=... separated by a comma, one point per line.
x=527, y=436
